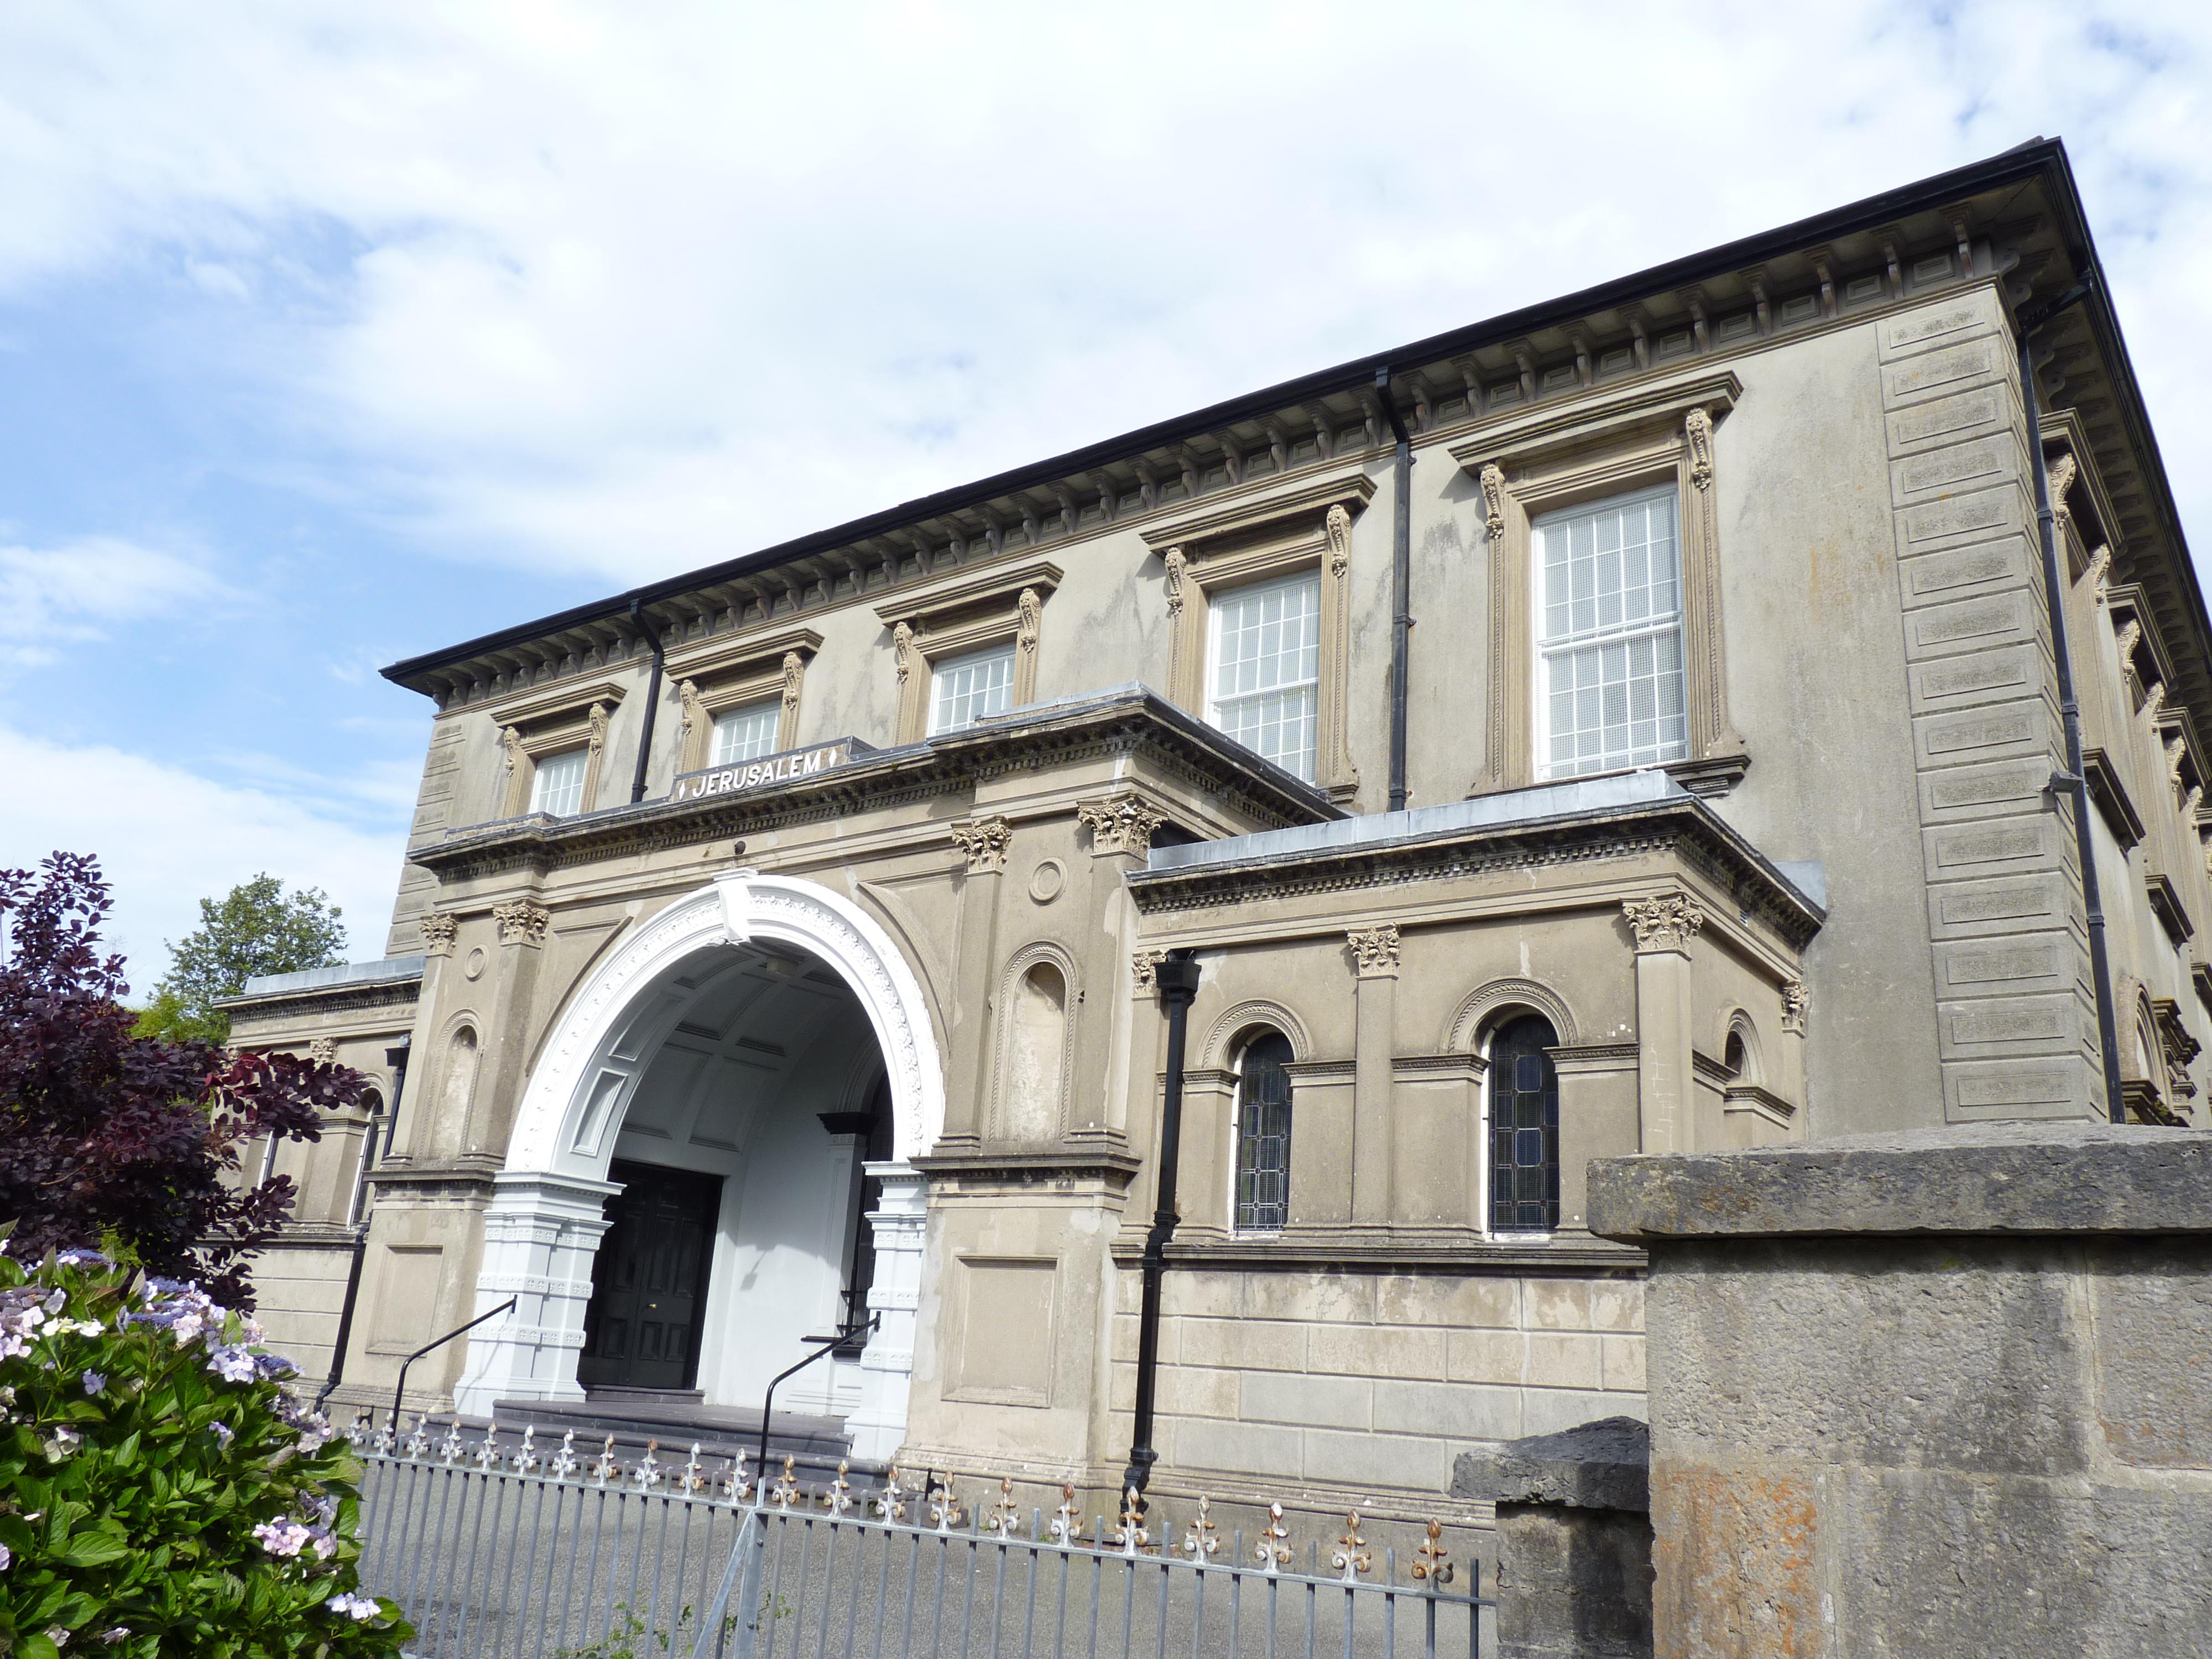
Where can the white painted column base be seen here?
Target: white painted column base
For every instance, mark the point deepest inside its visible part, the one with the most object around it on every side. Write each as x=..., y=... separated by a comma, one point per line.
x=879, y=1427
x=541, y=1233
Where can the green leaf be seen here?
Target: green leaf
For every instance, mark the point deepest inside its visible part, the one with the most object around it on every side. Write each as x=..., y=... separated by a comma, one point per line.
x=92, y=1549
x=38, y=1645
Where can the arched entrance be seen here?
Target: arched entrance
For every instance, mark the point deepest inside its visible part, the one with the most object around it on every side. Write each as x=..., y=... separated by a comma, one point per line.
x=719, y=1076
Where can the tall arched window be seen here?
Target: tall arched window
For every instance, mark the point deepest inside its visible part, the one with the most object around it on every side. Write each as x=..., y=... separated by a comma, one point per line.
x=1524, y=1126
x=1263, y=1134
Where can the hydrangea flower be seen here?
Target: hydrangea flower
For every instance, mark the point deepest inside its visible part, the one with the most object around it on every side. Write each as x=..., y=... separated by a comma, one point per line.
x=358, y=1607
x=224, y=1433
x=282, y=1536
x=233, y=1364
x=63, y=1441
x=6, y=1556
x=94, y=1383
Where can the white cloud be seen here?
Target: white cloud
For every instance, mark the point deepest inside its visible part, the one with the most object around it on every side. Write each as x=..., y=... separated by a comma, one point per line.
x=619, y=292
x=75, y=592
x=166, y=838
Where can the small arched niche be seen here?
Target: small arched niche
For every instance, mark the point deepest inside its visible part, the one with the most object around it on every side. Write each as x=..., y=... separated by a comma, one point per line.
x=1034, y=1086
x=459, y=1087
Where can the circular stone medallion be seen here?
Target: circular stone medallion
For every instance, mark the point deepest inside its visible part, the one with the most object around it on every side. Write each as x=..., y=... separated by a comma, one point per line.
x=1047, y=881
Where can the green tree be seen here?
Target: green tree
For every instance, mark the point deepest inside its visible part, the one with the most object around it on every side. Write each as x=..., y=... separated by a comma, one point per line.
x=256, y=928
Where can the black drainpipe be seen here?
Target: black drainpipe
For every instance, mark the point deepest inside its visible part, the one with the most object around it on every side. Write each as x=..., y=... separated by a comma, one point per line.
x=1176, y=979
x=651, y=700
x=2073, y=782
x=1401, y=584
x=396, y=1058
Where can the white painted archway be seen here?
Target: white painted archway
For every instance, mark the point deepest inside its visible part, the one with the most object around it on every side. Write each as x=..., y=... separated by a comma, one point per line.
x=545, y=1219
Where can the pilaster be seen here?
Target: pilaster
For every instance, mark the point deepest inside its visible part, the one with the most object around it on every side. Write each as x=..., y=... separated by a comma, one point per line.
x=502, y=1067
x=1663, y=928
x=983, y=842
x=879, y=1427
x=1375, y=958
x=540, y=1233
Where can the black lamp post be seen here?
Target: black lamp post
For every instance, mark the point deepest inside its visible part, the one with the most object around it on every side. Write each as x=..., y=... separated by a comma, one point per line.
x=1177, y=978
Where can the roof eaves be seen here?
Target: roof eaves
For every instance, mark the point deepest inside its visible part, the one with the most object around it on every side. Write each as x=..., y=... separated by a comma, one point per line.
x=2022, y=163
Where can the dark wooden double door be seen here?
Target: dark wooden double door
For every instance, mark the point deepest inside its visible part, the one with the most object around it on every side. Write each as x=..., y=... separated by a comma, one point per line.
x=649, y=1281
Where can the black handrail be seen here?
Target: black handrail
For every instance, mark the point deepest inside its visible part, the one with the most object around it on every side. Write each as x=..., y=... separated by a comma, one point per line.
x=401, y=1389
x=829, y=1344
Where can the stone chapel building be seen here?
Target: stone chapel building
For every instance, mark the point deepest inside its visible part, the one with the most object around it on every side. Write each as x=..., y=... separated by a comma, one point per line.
x=1630, y=723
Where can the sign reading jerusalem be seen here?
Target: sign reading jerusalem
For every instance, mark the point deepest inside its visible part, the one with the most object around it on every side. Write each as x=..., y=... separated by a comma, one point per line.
x=787, y=768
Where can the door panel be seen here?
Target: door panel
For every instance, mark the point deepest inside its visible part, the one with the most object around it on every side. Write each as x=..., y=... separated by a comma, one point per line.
x=649, y=1280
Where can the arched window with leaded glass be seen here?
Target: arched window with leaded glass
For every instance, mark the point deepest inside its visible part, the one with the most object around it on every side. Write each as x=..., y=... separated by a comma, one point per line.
x=1263, y=1134
x=1524, y=1126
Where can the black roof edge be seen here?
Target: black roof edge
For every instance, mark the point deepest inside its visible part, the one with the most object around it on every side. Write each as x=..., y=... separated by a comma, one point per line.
x=2020, y=163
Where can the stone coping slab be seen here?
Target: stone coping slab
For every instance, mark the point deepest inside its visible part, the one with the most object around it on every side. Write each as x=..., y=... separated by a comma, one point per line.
x=1605, y=1465
x=2039, y=1177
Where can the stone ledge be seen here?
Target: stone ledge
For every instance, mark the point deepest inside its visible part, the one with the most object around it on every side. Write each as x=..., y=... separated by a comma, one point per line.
x=2018, y=1178
x=1604, y=1465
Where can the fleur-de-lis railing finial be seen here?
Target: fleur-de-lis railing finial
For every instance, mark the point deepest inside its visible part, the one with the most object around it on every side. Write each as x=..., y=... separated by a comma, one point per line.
x=737, y=1486
x=489, y=1456
x=527, y=1459
x=1351, y=1557
x=785, y=1493
x=452, y=1449
x=647, y=1474
x=1432, y=1562
x=418, y=1437
x=943, y=1508
x=1006, y=1513
x=1067, y=1520
x=838, y=1497
x=604, y=1470
x=564, y=1461
x=691, y=1480
x=1202, y=1538
x=1274, y=1550
x=889, y=1503
x=382, y=1440
x=1131, y=1535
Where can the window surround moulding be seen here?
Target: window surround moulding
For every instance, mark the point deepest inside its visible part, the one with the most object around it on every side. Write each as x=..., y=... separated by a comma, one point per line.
x=967, y=612
x=1284, y=532
x=551, y=722
x=719, y=673
x=1656, y=433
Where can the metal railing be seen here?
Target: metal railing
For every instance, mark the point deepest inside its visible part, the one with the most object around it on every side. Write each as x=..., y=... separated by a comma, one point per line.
x=498, y=1552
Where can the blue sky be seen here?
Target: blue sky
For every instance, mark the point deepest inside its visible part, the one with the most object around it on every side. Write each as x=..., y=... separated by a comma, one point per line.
x=331, y=335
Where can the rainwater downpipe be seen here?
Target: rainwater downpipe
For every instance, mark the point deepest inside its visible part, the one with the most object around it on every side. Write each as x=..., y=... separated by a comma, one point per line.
x=396, y=1058
x=1401, y=584
x=1176, y=981
x=2073, y=782
x=651, y=700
